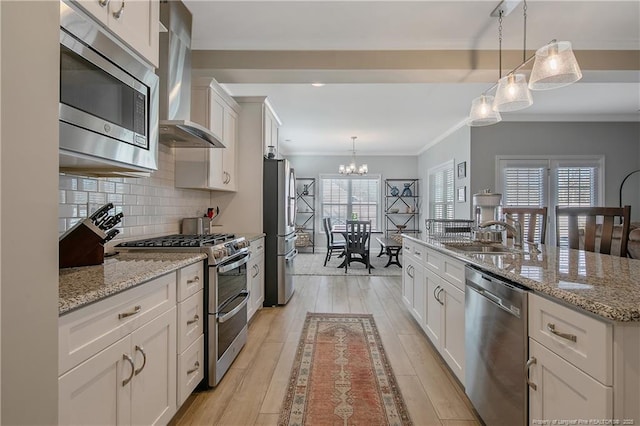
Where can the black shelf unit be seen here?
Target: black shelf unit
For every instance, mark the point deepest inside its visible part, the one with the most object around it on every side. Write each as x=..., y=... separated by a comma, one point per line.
x=305, y=214
x=401, y=206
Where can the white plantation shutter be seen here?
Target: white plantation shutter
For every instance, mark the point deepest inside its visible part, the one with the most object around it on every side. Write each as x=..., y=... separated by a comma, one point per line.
x=343, y=196
x=524, y=186
x=577, y=186
x=441, y=198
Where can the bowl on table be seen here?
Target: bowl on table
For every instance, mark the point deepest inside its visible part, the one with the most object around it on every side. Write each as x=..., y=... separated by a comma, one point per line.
x=394, y=210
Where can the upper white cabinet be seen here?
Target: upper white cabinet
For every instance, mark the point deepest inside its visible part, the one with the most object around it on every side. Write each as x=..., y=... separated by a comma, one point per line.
x=211, y=168
x=271, y=126
x=135, y=22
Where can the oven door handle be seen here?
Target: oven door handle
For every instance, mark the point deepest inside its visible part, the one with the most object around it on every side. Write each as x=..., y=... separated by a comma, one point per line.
x=225, y=317
x=239, y=262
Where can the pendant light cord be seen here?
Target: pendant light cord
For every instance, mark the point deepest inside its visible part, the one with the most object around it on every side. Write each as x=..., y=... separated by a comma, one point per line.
x=500, y=45
x=524, y=38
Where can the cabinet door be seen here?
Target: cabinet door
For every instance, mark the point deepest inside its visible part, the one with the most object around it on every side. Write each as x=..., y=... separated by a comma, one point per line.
x=93, y=393
x=563, y=391
x=452, y=331
x=97, y=9
x=137, y=23
x=433, y=318
x=229, y=153
x=153, y=388
x=408, y=274
x=216, y=125
x=419, y=306
x=268, y=122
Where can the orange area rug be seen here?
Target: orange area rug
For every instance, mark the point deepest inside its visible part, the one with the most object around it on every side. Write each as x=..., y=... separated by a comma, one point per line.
x=341, y=376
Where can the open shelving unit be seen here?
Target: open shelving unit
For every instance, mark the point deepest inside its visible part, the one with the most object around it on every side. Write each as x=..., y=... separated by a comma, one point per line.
x=401, y=206
x=305, y=214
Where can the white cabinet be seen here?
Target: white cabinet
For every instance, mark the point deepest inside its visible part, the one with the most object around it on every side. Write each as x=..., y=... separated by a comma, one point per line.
x=130, y=382
x=563, y=391
x=255, y=270
x=433, y=290
x=271, y=126
x=210, y=168
x=190, y=330
x=571, y=366
x=134, y=22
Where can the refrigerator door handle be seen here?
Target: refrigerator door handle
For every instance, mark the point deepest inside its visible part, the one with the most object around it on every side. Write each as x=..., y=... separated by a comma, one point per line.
x=290, y=239
x=291, y=255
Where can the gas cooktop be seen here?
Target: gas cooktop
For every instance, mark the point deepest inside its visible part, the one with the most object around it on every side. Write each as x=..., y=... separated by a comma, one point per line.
x=219, y=247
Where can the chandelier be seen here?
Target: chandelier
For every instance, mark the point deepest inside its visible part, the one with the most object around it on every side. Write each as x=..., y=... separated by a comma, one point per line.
x=555, y=66
x=352, y=169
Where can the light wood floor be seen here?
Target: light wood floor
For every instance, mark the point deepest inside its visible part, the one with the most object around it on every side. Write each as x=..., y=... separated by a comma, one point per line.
x=251, y=392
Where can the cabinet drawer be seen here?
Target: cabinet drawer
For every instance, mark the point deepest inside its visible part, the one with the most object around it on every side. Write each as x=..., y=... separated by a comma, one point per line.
x=592, y=350
x=433, y=260
x=190, y=280
x=453, y=271
x=190, y=320
x=85, y=332
x=257, y=247
x=190, y=369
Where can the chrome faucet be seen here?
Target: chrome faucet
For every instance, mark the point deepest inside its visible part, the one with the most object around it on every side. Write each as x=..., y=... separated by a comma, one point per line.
x=516, y=229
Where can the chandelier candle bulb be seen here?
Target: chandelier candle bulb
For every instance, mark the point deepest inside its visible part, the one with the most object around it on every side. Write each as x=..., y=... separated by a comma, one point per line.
x=352, y=168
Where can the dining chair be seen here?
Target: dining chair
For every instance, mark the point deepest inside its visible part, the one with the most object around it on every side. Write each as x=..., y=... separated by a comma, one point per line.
x=333, y=247
x=358, y=242
x=605, y=231
x=533, y=220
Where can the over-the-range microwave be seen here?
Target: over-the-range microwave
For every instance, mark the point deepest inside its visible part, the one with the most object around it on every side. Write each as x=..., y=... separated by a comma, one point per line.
x=108, y=101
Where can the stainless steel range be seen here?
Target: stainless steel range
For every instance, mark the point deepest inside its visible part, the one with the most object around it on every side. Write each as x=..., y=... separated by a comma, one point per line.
x=226, y=293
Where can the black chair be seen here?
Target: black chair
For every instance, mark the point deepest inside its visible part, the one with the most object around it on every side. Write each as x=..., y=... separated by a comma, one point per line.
x=358, y=242
x=333, y=247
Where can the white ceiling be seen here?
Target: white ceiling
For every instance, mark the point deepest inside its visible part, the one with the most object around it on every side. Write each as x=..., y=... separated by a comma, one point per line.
x=403, y=118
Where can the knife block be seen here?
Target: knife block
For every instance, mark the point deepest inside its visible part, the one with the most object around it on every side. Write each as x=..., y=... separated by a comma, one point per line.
x=81, y=245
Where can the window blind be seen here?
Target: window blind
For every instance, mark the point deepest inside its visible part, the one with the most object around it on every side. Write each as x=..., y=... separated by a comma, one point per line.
x=342, y=197
x=442, y=194
x=524, y=186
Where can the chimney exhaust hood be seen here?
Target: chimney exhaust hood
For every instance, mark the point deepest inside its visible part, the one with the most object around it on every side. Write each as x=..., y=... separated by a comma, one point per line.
x=175, y=126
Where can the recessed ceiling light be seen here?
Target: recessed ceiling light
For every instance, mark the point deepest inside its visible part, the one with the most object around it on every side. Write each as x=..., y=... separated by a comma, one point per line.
x=317, y=84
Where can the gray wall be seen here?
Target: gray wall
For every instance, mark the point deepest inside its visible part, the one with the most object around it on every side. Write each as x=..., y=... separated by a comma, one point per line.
x=29, y=168
x=390, y=167
x=618, y=142
x=454, y=147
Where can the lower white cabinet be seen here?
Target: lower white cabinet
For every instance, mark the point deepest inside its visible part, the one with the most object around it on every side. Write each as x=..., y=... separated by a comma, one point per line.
x=255, y=271
x=431, y=291
x=562, y=391
x=133, y=381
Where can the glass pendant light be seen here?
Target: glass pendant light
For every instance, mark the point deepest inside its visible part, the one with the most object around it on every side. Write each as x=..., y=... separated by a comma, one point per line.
x=482, y=113
x=512, y=94
x=555, y=66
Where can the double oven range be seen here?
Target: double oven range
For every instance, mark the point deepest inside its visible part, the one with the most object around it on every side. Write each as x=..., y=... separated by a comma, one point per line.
x=226, y=294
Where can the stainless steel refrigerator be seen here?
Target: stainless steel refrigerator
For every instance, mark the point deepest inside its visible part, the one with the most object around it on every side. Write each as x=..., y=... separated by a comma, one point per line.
x=279, y=202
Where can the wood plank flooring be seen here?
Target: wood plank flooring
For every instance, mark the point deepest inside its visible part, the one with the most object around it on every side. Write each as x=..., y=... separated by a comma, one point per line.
x=251, y=392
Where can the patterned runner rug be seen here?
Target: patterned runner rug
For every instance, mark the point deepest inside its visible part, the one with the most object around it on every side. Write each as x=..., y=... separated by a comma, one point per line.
x=341, y=376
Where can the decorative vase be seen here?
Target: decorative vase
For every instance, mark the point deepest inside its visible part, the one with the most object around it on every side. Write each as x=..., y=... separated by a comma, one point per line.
x=305, y=190
x=395, y=191
x=406, y=192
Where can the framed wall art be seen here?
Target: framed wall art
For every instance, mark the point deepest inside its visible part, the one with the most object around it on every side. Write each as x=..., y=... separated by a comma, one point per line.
x=462, y=170
x=462, y=194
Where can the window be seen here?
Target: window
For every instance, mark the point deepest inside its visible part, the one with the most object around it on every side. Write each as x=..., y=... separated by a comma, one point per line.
x=344, y=198
x=551, y=182
x=441, y=191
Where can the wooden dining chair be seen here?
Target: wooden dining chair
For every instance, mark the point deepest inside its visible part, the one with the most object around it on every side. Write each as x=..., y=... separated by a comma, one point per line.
x=358, y=242
x=533, y=220
x=333, y=247
x=606, y=231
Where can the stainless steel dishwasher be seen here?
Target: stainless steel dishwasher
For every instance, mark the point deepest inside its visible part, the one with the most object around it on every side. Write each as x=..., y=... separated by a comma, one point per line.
x=496, y=348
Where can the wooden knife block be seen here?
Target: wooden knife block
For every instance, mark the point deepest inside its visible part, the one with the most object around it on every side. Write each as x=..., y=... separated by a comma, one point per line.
x=81, y=245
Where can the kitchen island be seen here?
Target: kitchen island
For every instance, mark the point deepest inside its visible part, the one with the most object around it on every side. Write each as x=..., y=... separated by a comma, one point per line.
x=582, y=323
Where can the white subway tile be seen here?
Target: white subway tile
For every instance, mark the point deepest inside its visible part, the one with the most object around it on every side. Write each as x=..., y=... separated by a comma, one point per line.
x=77, y=197
x=106, y=186
x=67, y=210
x=123, y=188
x=62, y=196
x=97, y=198
x=68, y=182
x=115, y=198
x=86, y=184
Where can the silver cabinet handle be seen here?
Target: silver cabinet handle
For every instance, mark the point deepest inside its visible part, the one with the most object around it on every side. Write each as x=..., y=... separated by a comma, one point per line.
x=136, y=310
x=437, y=295
x=552, y=328
x=195, y=319
x=256, y=270
x=435, y=290
x=119, y=12
x=144, y=359
x=409, y=270
x=103, y=3
x=530, y=362
x=417, y=253
x=126, y=381
x=195, y=368
x=194, y=280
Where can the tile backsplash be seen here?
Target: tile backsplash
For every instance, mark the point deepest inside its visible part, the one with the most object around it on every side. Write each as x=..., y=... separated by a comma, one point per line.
x=151, y=206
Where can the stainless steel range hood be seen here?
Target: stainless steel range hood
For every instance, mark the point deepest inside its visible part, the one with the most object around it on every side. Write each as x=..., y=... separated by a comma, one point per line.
x=175, y=126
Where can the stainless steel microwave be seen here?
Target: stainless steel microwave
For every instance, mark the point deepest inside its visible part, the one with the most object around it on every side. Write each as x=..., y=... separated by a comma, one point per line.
x=108, y=101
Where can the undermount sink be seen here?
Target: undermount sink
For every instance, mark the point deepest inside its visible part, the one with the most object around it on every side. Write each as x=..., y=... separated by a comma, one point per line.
x=482, y=248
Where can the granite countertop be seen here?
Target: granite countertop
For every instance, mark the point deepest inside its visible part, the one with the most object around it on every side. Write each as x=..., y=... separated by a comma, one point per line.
x=608, y=286
x=81, y=286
